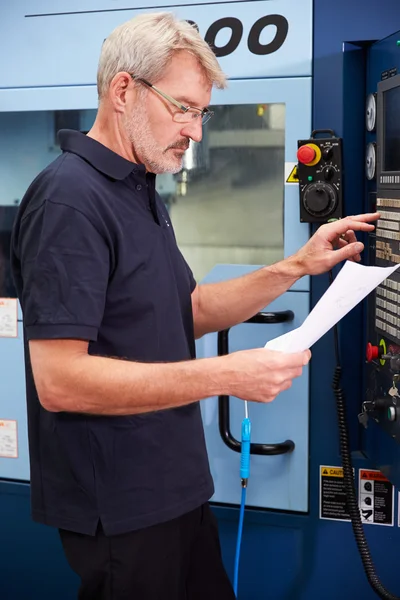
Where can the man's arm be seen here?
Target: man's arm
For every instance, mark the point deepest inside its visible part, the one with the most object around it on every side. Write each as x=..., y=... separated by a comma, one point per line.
x=217, y=306
x=68, y=379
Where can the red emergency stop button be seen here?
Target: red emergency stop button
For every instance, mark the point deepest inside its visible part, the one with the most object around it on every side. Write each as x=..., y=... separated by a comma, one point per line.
x=309, y=154
x=372, y=352
x=306, y=154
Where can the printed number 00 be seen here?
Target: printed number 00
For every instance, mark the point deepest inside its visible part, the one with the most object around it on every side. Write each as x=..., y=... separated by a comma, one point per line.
x=253, y=41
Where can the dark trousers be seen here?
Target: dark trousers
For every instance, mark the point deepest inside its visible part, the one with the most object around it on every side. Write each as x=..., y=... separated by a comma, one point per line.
x=177, y=560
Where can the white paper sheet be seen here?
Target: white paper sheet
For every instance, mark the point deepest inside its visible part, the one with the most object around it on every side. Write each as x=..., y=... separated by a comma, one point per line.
x=353, y=283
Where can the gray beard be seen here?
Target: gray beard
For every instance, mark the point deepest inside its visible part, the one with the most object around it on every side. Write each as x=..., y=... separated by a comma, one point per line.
x=158, y=160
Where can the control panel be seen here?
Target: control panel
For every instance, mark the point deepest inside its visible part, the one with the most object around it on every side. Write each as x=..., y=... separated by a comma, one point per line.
x=382, y=401
x=320, y=174
x=383, y=347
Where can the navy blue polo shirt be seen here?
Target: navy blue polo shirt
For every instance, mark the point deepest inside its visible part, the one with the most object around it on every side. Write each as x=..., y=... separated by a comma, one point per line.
x=94, y=258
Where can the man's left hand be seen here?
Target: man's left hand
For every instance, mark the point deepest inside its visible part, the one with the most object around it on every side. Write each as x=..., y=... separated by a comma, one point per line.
x=335, y=242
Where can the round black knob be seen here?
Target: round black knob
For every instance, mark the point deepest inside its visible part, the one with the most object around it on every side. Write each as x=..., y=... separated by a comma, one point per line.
x=327, y=153
x=329, y=172
x=320, y=199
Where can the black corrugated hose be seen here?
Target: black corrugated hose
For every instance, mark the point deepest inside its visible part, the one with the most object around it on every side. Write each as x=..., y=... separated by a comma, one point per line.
x=349, y=485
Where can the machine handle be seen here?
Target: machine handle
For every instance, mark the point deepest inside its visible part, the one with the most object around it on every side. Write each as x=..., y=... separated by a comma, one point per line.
x=314, y=133
x=223, y=401
x=284, y=316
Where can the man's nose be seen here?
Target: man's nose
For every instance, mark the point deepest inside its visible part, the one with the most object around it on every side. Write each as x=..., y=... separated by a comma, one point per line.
x=193, y=130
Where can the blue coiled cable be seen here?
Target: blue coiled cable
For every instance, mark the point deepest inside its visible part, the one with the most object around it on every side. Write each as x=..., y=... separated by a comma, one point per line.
x=244, y=475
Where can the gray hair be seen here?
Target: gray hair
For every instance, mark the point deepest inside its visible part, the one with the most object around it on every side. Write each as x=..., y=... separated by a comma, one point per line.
x=144, y=46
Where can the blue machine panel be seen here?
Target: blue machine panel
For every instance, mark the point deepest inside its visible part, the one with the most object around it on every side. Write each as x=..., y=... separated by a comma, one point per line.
x=279, y=482
x=51, y=34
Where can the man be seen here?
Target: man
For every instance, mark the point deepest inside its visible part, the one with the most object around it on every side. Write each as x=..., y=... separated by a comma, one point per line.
x=111, y=313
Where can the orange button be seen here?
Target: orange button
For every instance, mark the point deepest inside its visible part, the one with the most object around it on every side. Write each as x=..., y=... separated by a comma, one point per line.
x=306, y=154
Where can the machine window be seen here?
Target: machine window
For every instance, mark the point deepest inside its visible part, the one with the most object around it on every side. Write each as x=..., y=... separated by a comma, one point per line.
x=226, y=205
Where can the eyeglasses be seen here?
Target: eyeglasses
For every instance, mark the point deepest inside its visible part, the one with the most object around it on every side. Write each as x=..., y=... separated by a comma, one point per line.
x=188, y=114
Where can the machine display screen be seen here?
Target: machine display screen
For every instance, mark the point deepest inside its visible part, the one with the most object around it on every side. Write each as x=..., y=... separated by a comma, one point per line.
x=391, y=154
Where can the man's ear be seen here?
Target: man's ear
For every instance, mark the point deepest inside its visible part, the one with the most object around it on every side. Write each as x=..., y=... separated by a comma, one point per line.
x=121, y=84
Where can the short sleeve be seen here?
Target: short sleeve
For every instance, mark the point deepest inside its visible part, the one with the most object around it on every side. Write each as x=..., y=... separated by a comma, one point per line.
x=192, y=281
x=65, y=265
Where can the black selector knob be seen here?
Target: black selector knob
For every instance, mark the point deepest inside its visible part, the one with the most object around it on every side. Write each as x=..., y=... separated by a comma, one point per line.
x=327, y=153
x=329, y=173
x=320, y=199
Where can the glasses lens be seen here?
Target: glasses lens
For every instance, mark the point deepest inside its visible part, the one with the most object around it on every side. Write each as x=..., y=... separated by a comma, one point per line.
x=207, y=117
x=192, y=115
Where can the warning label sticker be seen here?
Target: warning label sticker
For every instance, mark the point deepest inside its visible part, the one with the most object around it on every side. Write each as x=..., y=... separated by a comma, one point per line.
x=333, y=501
x=291, y=172
x=8, y=317
x=8, y=439
x=376, y=498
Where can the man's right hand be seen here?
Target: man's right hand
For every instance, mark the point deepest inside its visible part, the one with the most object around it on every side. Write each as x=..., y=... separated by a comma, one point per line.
x=260, y=375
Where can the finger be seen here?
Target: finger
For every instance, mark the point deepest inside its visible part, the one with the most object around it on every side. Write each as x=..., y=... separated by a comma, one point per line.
x=342, y=227
x=289, y=374
x=360, y=226
x=286, y=385
x=340, y=242
x=364, y=217
x=350, y=237
x=294, y=360
x=349, y=252
x=358, y=222
x=343, y=244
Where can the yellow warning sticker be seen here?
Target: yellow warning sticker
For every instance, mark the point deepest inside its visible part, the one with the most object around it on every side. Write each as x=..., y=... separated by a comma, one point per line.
x=293, y=176
x=332, y=494
x=331, y=472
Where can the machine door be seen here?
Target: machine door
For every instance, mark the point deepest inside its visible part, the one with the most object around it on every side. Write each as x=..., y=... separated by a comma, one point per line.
x=233, y=212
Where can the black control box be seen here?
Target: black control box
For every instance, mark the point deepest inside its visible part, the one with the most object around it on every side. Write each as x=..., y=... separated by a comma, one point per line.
x=320, y=175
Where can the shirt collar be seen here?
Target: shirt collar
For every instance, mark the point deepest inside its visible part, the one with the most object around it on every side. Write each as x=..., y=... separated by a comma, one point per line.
x=99, y=156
